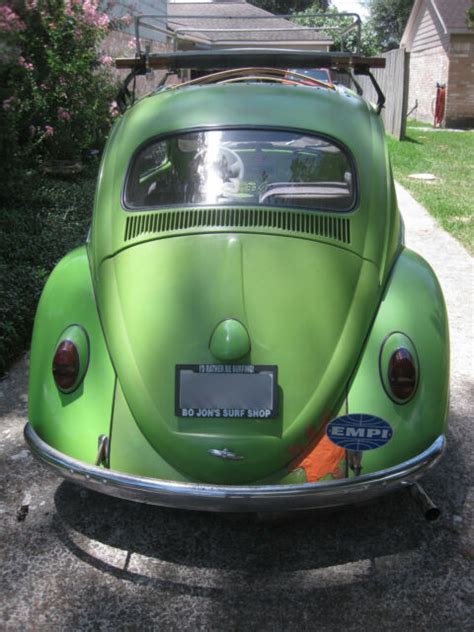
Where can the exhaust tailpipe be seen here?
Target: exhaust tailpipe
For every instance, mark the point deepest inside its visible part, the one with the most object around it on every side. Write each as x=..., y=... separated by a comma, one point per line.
x=427, y=506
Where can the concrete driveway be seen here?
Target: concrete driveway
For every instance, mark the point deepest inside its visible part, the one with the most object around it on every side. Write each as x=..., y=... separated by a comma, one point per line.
x=73, y=559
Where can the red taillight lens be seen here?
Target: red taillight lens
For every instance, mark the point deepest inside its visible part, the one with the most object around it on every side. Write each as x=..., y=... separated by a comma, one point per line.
x=66, y=365
x=402, y=377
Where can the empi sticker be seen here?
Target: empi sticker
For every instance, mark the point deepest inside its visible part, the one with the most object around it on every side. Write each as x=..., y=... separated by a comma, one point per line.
x=359, y=432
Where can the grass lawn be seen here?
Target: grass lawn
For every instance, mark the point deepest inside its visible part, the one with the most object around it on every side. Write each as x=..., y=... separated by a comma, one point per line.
x=450, y=157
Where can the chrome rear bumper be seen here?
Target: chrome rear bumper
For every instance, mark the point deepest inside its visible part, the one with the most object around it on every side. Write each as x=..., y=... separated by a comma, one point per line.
x=236, y=498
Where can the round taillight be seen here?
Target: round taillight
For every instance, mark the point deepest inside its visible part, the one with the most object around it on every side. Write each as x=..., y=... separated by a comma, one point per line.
x=402, y=374
x=66, y=365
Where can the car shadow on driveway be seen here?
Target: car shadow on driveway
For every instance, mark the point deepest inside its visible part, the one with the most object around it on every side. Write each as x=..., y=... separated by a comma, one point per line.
x=200, y=553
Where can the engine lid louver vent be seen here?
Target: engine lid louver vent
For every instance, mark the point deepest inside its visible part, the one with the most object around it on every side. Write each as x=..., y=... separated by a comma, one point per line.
x=216, y=219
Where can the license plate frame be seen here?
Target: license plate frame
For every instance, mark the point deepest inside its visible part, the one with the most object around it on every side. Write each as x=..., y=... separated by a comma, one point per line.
x=245, y=380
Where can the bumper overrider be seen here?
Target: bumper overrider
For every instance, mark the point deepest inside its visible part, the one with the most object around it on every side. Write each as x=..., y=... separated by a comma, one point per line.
x=236, y=498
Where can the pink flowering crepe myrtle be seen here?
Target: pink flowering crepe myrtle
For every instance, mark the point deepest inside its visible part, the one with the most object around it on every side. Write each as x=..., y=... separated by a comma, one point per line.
x=92, y=15
x=63, y=114
x=114, y=109
x=25, y=64
x=50, y=100
x=126, y=20
x=9, y=21
x=9, y=103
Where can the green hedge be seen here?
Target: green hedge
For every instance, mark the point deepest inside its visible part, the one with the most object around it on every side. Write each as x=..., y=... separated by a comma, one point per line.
x=41, y=219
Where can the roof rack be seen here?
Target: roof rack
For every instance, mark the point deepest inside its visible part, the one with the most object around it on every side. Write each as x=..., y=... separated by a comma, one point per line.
x=238, y=57
x=204, y=57
x=214, y=25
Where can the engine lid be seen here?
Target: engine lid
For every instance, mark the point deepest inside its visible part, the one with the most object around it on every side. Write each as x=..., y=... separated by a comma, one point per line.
x=302, y=306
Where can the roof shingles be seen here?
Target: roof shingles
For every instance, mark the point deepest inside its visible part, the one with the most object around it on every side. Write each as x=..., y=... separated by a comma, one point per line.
x=453, y=13
x=236, y=15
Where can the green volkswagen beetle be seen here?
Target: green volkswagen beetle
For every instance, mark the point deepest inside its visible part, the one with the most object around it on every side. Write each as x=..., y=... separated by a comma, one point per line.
x=244, y=329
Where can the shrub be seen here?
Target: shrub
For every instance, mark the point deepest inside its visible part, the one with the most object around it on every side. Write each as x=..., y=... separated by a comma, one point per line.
x=56, y=91
x=43, y=219
x=56, y=86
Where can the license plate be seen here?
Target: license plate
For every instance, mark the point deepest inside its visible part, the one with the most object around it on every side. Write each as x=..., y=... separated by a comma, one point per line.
x=231, y=391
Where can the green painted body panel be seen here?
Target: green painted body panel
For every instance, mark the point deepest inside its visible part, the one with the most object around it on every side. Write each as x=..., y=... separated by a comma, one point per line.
x=342, y=116
x=133, y=454
x=307, y=308
x=316, y=303
x=412, y=304
x=229, y=340
x=70, y=422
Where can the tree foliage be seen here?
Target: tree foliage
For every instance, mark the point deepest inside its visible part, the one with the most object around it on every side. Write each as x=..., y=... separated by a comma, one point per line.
x=55, y=85
x=388, y=19
x=284, y=7
x=470, y=17
x=368, y=42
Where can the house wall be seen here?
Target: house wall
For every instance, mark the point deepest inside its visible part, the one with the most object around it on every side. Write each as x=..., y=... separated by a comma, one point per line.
x=429, y=62
x=121, y=43
x=119, y=8
x=460, y=94
x=118, y=44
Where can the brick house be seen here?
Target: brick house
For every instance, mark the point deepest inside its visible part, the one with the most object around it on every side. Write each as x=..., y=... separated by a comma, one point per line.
x=441, y=48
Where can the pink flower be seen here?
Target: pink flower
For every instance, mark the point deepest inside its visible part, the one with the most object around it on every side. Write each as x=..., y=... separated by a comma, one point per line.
x=132, y=43
x=9, y=21
x=103, y=21
x=93, y=17
x=114, y=109
x=8, y=103
x=63, y=114
x=106, y=60
x=68, y=8
x=126, y=20
x=27, y=65
x=48, y=131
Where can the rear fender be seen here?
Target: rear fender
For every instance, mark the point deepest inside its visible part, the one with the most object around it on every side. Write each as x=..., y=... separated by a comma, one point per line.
x=412, y=304
x=70, y=422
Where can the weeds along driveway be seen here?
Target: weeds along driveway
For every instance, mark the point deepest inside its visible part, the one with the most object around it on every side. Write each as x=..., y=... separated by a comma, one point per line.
x=74, y=559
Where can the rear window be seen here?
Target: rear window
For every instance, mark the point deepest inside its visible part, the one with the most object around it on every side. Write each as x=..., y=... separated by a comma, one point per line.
x=254, y=167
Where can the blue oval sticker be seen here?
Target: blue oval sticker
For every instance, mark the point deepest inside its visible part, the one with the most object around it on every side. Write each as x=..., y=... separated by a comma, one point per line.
x=359, y=432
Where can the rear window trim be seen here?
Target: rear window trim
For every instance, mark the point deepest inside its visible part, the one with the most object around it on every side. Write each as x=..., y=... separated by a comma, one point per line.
x=207, y=128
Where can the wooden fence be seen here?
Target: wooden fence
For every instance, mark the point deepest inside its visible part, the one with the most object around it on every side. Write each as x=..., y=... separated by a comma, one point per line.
x=393, y=80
